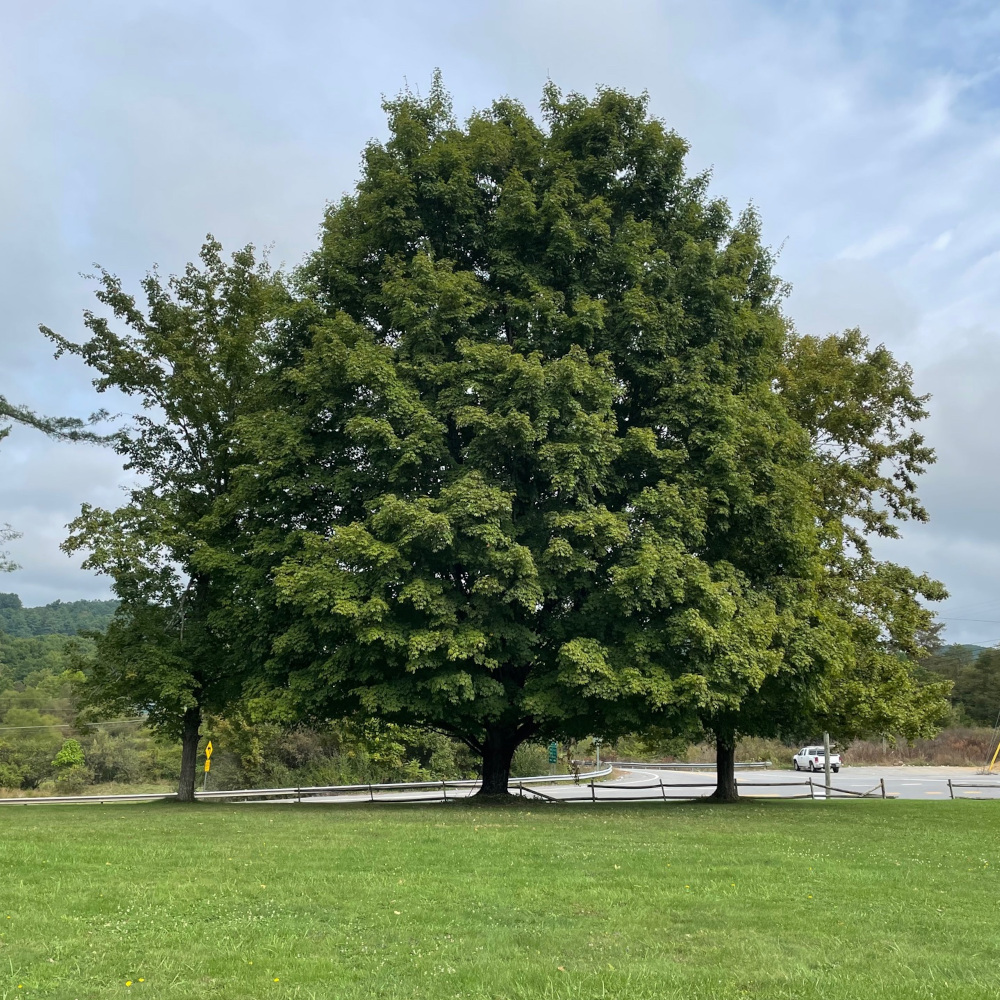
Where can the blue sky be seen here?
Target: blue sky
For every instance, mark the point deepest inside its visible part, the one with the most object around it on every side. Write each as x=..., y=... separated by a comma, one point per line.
x=867, y=135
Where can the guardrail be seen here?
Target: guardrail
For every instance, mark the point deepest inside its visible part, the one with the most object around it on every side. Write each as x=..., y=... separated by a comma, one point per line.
x=311, y=791
x=134, y=797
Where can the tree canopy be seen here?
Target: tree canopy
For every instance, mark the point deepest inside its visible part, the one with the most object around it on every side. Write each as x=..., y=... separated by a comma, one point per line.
x=546, y=483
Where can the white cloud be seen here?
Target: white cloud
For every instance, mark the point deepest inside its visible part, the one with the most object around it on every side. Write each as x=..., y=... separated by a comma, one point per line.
x=865, y=133
x=846, y=293
x=933, y=113
x=878, y=243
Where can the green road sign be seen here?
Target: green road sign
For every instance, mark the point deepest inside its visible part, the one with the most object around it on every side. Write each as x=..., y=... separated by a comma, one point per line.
x=553, y=752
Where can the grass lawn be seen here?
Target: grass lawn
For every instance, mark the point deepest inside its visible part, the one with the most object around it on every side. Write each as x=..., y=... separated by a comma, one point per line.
x=852, y=900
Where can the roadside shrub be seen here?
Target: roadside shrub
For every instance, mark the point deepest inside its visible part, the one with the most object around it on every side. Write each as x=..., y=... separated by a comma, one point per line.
x=530, y=759
x=755, y=748
x=31, y=750
x=119, y=758
x=648, y=746
x=73, y=781
x=70, y=756
x=344, y=752
x=957, y=746
x=11, y=776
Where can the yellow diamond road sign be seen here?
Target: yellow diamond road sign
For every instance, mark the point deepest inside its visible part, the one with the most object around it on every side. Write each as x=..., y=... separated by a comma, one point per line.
x=208, y=750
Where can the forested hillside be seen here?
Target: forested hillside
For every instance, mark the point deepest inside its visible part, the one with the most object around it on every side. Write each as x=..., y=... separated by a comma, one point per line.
x=57, y=618
x=975, y=674
x=24, y=655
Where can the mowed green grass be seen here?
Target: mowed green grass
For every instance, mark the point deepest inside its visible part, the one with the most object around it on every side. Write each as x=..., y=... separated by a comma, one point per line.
x=763, y=900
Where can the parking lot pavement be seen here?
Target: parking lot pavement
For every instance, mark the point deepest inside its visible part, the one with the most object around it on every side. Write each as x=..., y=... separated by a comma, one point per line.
x=906, y=782
x=927, y=782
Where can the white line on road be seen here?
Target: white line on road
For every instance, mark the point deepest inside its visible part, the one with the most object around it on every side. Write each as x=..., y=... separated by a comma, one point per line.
x=650, y=775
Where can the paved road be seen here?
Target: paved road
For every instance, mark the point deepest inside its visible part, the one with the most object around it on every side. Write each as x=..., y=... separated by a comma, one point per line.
x=926, y=783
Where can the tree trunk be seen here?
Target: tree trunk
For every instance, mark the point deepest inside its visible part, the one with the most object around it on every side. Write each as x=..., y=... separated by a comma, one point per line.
x=726, y=789
x=189, y=753
x=498, y=752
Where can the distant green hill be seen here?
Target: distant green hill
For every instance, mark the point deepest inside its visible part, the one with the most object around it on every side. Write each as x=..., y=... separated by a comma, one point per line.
x=974, y=650
x=58, y=618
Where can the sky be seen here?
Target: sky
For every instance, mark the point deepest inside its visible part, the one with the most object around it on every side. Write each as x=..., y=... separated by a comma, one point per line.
x=866, y=135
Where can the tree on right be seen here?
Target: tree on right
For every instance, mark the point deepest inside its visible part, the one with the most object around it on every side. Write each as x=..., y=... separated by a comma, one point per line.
x=849, y=659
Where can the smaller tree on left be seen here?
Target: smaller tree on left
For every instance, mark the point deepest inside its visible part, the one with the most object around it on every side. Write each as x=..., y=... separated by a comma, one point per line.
x=196, y=357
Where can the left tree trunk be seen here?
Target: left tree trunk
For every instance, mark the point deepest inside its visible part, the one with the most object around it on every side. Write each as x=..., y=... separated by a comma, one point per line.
x=191, y=726
x=498, y=752
x=726, y=789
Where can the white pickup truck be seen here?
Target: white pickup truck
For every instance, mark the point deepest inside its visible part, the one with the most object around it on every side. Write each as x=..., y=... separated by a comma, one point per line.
x=814, y=759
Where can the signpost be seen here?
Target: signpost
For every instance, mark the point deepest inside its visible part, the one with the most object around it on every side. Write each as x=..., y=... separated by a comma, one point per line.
x=553, y=754
x=208, y=765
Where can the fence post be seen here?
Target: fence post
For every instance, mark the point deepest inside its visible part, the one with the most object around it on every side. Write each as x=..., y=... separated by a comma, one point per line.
x=881, y=781
x=951, y=791
x=826, y=762
x=593, y=794
x=371, y=794
x=663, y=789
x=520, y=789
x=444, y=790
x=812, y=790
x=298, y=795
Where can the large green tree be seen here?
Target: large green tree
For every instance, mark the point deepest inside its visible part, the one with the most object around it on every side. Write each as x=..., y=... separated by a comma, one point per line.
x=528, y=474
x=195, y=356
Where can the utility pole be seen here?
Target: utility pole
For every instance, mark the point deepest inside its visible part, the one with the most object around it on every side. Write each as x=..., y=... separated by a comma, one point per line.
x=826, y=762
